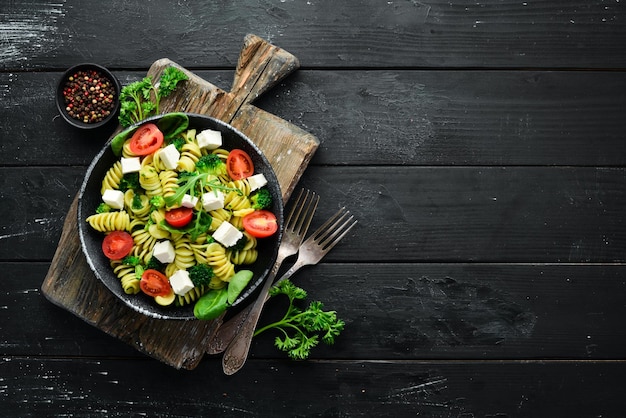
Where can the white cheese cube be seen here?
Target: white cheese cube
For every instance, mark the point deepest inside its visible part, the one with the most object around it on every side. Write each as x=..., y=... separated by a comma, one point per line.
x=164, y=252
x=189, y=201
x=130, y=165
x=180, y=282
x=209, y=139
x=257, y=181
x=113, y=198
x=227, y=235
x=213, y=200
x=169, y=156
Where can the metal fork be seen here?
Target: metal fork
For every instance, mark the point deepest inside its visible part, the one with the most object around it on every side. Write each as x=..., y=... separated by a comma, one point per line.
x=296, y=227
x=311, y=252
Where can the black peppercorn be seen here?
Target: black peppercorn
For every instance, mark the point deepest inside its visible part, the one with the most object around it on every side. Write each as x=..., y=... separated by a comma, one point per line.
x=88, y=96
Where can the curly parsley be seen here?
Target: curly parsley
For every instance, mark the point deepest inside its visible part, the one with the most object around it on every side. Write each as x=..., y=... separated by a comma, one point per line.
x=301, y=329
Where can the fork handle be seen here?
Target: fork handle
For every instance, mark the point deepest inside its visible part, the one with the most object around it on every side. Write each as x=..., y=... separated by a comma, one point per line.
x=237, y=351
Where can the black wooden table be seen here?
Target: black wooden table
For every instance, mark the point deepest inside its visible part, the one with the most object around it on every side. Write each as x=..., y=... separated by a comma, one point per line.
x=480, y=145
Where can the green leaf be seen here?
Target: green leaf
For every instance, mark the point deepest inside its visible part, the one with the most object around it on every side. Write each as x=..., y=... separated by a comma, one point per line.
x=237, y=283
x=169, y=79
x=117, y=143
x=211, y=304
x=173, y=124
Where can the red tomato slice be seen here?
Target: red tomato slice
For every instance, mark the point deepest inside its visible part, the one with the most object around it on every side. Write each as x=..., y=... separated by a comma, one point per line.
x=117, y=245
x=239, y=164
x=179, y=217
x=260, y=223
x=154, y=283
x=146, y=139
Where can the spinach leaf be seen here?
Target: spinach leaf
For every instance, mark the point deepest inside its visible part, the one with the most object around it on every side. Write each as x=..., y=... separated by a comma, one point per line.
x=237, y=283
x=211, y=305
x=173, y=124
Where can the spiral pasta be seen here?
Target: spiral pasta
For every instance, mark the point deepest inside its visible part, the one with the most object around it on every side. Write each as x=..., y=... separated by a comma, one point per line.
x=190, y=154
x=150, y=181
x=112, y=178
x=246, y=255
x=223, y=268
x=110, y=221
x=169, y=182
x=127, y=276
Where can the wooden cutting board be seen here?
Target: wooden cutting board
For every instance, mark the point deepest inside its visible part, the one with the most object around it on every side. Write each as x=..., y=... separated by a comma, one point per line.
x=71, y=284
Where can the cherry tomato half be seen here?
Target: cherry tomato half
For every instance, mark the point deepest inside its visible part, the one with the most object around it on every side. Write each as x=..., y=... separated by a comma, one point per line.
x=179, y=217
x=260, y=223
x=117, y=245
x=146, y=139
x=239, y=164
x=154, y=283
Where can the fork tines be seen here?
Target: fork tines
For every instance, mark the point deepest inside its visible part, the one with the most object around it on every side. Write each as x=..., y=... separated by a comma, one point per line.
x=307, y=201
x=334, y=229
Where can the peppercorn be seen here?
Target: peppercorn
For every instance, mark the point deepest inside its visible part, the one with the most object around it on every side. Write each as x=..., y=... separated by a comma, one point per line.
x=88, y=96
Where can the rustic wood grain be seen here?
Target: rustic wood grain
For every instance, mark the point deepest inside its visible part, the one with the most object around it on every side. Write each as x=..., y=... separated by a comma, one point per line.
x=393, y=311
x=384, y=117
x=510, y=307
x=70, y=282
x=408, y=214
x=365, y=34
x=99, y=387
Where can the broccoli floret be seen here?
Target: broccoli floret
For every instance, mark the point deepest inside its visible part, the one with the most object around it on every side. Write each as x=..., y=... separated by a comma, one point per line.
x=131, y=260
x=103, y=208
x=137, y=203
x=211, y=164
x=157, y=202
x=155, y=264
x=130, y=181
x=201, y=274
x=178, y=142
x=239, y=244
x=261, y=199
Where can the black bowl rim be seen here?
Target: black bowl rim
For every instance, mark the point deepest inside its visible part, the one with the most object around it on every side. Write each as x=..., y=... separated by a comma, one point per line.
x=250, y=289
x=61, y=105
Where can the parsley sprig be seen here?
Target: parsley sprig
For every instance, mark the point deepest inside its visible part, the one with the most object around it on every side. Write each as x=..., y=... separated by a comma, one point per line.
x=142, y=98
x=301, y=329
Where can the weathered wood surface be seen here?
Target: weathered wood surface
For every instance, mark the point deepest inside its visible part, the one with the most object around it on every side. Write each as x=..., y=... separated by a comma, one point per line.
x=481, y=145
x=364, y=33
x=385, y=117
x=100, y=387
x=70, y=282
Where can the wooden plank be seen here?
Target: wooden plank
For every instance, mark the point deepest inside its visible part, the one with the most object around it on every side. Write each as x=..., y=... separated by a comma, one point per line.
x=452, y=214
x=393, y=311
x=384, y=117
x=437, y=33
x=95, y=387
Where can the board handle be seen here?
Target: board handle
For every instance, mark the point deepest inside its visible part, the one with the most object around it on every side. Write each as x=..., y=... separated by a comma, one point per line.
x=260, y=67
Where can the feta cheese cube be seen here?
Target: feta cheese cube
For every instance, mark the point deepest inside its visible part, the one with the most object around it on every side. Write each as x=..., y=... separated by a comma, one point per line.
x=130, y=165
x=113, y=198
x=169, y=156
x=189, y=201
x=213, y=200
x=164, y=252
x=180, y=282
x=209, y=139
x=257, y=181
x=227, y=235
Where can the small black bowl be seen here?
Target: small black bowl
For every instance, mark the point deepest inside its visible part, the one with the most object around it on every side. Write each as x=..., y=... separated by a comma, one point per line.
x=75, y=92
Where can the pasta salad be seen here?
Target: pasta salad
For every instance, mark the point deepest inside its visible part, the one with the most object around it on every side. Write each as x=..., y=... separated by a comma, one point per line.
x=182, y=216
